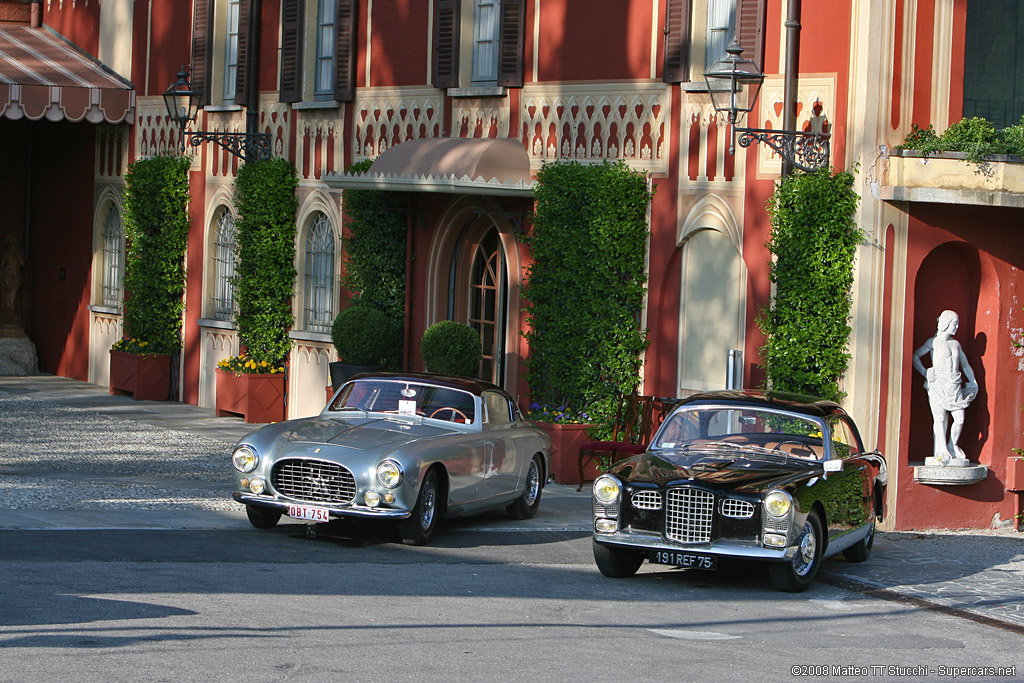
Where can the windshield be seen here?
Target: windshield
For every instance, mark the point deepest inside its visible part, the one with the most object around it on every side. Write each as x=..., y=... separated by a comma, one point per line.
x=406, y=398
x=741, y=428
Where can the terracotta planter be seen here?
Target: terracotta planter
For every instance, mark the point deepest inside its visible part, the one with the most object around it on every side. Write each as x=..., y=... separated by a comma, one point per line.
x=256, y=398
x=1015, y=474
x=565, y=450
x=144, y=377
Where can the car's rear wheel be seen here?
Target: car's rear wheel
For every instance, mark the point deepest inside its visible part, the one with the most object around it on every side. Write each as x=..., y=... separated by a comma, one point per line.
x=861, y=550
x=796, y=575
x=418, y=529
x=261, y=517
x=616, y=563
x=525, y=506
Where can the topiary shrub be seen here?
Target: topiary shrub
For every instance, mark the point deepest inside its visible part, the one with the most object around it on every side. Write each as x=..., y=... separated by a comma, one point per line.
x=452, y=348
x=365, y=336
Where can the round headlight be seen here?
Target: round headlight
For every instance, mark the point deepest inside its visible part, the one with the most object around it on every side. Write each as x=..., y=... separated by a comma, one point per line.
x=389, y=474
x=778, y=503
x=245, y=459
x=606, y=489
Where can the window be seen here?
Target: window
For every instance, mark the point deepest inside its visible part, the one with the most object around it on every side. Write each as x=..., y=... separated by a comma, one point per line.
x=844, y=439
x=498, y=408
x=319, y=275
x=223, y=300
x=993, y=63
x=326, y=51
x=231, y=52
x=219, y=50
x=486, y=296
x=494, y=48
x=113, y=258
x=698, y=31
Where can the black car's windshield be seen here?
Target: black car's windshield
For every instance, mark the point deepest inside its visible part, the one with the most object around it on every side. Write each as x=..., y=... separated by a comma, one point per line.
x=741, y=428
x=406, y=398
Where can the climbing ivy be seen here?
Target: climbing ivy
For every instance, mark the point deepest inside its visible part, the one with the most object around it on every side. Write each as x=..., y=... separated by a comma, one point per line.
x=585, y=288
x=813, y=243
x=156, y=233
x=265, y=242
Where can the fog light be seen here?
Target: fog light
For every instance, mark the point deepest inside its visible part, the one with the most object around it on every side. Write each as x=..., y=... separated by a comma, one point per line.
x=607, y=526
x=244, y=483
x=389, y=498
x=372, y=498
x=256, y=485
x=775, y=540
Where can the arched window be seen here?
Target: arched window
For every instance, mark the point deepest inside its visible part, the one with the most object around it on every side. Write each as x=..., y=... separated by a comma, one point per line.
x=319, y=275
x=113, y=257
x=223, y=299
x=486, y=312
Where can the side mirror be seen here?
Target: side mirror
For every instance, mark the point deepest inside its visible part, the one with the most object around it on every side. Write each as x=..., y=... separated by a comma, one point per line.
x=833, y=465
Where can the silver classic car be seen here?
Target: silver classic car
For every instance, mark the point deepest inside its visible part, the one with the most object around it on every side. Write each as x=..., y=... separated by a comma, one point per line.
x=413, y=448
x=777, y=478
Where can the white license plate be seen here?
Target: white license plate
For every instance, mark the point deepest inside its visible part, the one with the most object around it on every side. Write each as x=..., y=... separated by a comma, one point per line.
x=684, y=559
x=310, y=513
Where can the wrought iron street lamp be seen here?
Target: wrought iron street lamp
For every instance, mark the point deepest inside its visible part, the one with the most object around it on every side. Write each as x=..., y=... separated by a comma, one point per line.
x=182, y=102
x=805, y=150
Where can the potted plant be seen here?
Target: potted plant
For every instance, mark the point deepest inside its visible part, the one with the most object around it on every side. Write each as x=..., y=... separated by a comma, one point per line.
x=451, y=348
x=365, y=339
x=253, y=383
x=156, y=232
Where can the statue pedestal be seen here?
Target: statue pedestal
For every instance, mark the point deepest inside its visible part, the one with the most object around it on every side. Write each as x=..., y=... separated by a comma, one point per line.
x=17, y=353
x=957, y=472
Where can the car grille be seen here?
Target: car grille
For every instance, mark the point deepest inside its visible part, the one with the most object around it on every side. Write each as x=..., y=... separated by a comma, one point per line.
x=737, y=509
x=688, y=514
x=779, y=525
x=315, y=481
x=647, y=500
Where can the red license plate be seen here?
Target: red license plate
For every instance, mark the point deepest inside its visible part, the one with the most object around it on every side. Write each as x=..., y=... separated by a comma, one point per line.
x=309, y=513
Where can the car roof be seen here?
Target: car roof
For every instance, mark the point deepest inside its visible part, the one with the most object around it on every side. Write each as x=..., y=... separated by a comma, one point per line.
x=797, y=403
x=472, y=385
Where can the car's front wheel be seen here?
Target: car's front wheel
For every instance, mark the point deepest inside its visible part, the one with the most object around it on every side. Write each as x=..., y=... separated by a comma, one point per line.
x=525, y=506
x=616, y=563
x=261, y=517
x=796, y=575
x=418, y=529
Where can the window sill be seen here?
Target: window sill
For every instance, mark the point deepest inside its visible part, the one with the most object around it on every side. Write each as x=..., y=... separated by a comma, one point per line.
x=218, y=324
x=108, y=310
x=306, y=335
x=326, y=104
x=479, y=91
x=222, y=107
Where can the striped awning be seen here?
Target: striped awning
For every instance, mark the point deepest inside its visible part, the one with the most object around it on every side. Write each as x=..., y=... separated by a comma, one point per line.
x=44, y=77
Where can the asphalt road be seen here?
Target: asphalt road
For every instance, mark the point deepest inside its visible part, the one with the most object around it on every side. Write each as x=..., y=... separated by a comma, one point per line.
x=477, y=605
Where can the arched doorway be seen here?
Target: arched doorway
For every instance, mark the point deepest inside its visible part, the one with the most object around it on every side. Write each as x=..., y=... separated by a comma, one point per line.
x=486, y=310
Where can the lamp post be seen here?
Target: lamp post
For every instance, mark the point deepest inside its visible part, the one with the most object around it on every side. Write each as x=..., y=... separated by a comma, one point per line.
x=804, y=150
x=182, y=102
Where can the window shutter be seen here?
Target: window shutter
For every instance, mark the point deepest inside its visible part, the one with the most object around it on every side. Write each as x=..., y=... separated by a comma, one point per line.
x=446, y=44
x=243, y=80
x=510, y=43
x=345, y=51
x=202, y=15
x=676, y=68
x=750, y=30
x=291, y=51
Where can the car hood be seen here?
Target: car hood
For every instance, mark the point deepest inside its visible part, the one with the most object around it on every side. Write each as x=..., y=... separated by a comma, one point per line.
x=728, y=470
x=371, y=434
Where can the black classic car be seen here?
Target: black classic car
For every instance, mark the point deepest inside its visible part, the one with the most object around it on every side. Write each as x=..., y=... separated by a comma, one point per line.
x=751, y=475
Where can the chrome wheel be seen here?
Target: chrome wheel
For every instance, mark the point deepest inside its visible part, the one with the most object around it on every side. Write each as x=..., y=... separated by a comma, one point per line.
x=796, y=575
x=525, y=506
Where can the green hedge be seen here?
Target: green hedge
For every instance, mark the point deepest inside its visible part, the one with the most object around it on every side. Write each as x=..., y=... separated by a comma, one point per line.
x=156, y=225
x=584, y=290
x=452, y=348
x=814, y=241
x=265, y=274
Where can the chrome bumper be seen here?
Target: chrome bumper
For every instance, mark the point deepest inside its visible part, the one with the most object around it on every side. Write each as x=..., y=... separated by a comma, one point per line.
x=362, y=511
x=747, y=550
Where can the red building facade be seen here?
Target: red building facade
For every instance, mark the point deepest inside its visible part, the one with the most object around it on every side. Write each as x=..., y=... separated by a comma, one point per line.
x=338, y=81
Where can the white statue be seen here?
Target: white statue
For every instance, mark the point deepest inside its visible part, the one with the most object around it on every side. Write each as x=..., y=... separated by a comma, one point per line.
x=946, y=393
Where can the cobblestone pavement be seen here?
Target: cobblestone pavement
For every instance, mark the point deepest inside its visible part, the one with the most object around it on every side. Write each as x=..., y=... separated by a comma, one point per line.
x=73, y=456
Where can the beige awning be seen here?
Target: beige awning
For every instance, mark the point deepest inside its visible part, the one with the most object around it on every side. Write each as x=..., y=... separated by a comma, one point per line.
x=492, y=166
x=44, y=77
